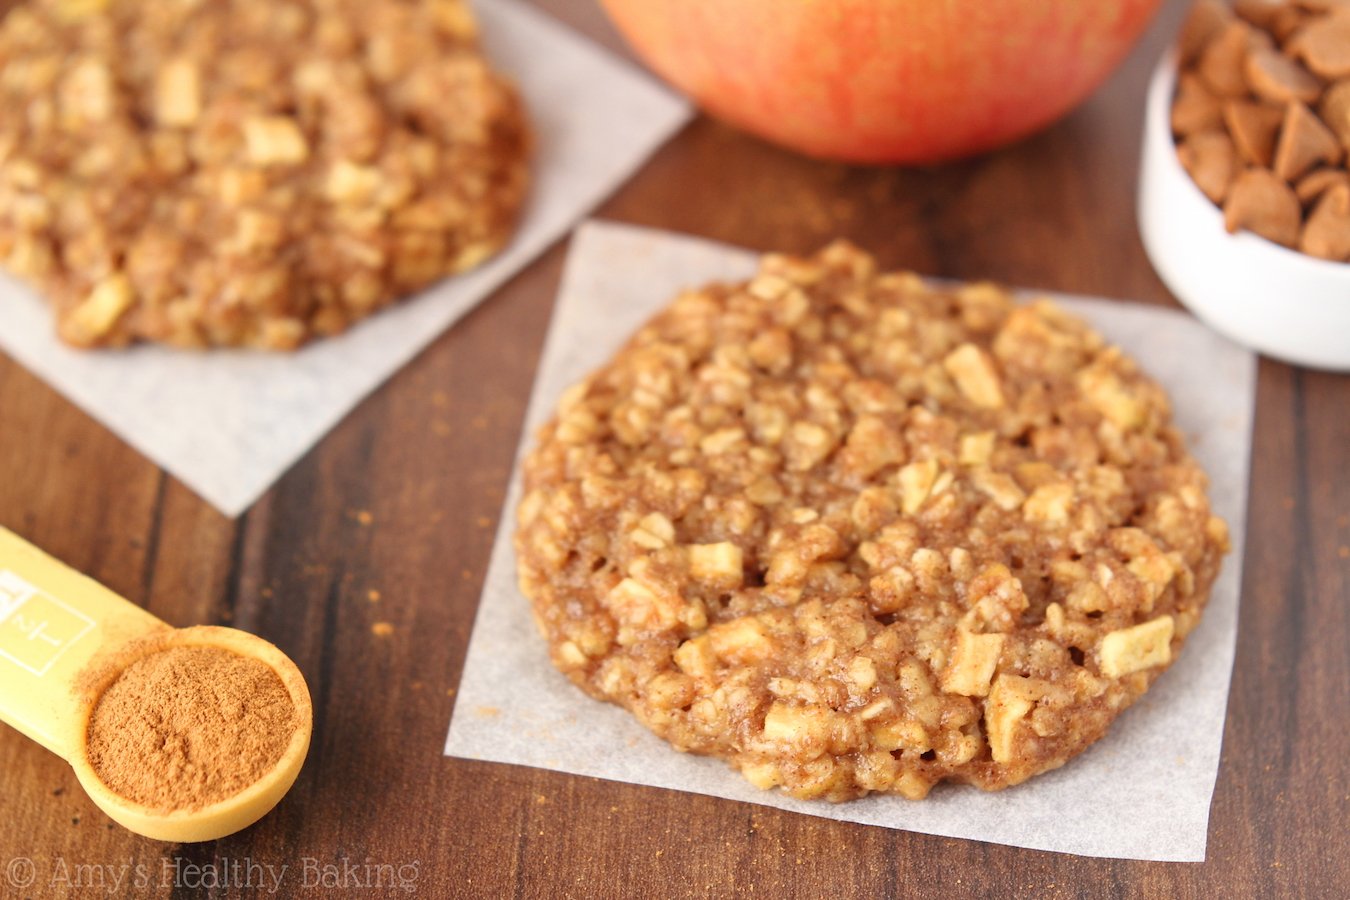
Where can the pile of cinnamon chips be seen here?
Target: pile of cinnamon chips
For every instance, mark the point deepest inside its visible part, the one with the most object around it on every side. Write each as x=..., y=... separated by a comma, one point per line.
x=1262, y=117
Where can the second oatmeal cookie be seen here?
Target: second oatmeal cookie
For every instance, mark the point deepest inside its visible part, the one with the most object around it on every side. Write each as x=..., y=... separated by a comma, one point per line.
x=240, y=173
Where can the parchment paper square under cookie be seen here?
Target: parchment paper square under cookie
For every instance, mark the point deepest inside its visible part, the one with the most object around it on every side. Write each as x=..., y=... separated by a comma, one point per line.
x=1142, y=792
x=229, y=423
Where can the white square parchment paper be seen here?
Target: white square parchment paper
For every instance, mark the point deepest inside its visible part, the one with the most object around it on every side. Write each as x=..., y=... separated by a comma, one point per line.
x=229, y=423
x=1143, y=792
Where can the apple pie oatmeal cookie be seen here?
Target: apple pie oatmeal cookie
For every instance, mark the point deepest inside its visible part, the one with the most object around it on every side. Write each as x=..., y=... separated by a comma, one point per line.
x=240, y=173
x=854, y=533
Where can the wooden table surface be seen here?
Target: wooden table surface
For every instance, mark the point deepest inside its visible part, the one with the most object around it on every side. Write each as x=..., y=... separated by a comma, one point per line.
x=402, y=498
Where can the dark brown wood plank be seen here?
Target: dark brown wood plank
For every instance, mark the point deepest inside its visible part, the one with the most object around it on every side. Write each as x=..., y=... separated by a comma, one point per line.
x=403, y=498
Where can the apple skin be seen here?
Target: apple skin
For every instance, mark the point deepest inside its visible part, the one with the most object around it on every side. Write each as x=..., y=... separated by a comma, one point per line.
x=885, y=81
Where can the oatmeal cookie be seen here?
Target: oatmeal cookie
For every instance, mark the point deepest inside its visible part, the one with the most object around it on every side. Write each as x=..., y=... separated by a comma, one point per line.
x=852, y=532
x=241, y=173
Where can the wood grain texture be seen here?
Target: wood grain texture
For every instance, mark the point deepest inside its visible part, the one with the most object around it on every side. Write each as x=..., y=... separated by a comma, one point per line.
x=390, y=520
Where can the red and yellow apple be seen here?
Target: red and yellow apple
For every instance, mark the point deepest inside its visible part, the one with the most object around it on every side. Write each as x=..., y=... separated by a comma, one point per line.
x=899, y=81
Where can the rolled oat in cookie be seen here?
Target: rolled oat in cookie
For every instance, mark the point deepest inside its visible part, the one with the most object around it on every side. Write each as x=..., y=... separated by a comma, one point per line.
x=851, y=532
x=240, y=173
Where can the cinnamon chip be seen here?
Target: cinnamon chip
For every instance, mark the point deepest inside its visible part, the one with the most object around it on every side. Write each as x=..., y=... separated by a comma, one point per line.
x=1318, y=182
x=1304, y=142
x=1275, y=77
x=1223, y=61
x=1196, y=108
x=1287, y=21
x=1211, y=160
x=1324, y=44
x=1327, y=234
x=1254, y=127
x=1263, y=204
x=1206, y=19
x=1259, y=12
x=1335, y=110
x=1325, y=6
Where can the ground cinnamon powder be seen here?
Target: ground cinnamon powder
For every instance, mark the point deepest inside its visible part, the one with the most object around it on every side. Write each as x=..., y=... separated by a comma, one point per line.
x=189, y=726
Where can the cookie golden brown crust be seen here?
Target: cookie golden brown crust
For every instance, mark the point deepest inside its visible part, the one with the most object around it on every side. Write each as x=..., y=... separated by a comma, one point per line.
x=853, y=533
x=237, y=173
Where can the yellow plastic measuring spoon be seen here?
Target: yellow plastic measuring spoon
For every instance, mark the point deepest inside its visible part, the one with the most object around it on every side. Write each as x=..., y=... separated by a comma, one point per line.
x=64, y=638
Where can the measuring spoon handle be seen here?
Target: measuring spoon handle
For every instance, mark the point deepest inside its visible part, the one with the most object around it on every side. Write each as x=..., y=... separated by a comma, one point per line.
x=53, y=622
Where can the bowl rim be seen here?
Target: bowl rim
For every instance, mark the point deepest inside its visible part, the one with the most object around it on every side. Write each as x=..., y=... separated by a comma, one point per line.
x=1158, y=120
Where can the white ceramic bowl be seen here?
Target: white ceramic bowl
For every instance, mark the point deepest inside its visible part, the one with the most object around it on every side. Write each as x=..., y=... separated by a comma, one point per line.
x=1273, y=299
